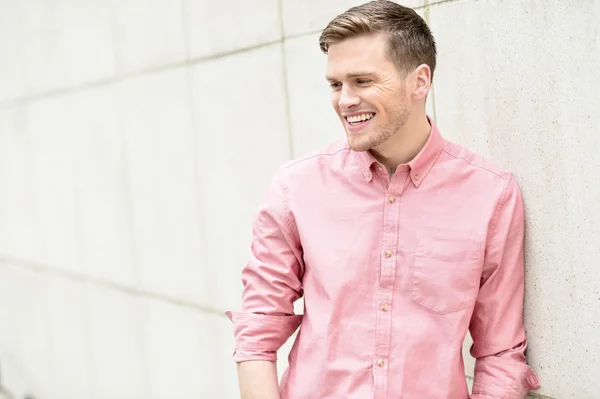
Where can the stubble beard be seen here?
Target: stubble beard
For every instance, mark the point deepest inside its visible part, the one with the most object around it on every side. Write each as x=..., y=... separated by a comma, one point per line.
x=398, y=118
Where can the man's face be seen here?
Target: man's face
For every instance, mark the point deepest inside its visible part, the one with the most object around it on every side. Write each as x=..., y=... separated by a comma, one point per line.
x=368, y=91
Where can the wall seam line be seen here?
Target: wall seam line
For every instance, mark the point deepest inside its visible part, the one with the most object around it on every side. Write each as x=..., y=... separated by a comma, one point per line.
x=29, y=98
x=19, y=101
x=89, y=85
x=432, y=90
x=286, y=89
x=436, y=4
x=10, y=262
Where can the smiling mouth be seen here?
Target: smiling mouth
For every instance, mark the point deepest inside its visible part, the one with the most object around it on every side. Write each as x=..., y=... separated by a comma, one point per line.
x=358, y=120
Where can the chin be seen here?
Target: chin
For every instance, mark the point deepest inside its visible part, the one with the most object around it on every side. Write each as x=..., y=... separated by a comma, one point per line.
x=359, y=143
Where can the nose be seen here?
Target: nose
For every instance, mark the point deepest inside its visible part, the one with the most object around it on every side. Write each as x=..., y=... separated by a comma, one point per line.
x=348, y=99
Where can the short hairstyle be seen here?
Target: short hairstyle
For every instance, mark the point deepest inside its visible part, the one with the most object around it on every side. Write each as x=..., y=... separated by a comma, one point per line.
x=410, y=42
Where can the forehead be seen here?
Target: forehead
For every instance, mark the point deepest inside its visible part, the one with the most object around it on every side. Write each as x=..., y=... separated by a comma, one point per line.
x=364, y=52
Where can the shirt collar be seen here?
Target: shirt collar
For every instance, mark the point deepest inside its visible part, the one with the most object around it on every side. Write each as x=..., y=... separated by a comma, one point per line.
x=420, y=165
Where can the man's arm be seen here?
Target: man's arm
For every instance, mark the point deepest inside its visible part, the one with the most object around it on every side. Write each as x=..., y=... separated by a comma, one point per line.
x=499, y=341
x=258, y=380
x=272, y=283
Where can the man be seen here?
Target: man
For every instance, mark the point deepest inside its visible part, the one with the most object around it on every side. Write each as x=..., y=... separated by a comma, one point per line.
x=398, y=240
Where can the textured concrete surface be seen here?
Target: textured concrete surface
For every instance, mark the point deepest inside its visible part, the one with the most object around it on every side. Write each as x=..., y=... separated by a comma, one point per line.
x=147, y=33
x=231, y=25
x=136, y=140
x=524, y=93
x=50, y=45
x=72, y=340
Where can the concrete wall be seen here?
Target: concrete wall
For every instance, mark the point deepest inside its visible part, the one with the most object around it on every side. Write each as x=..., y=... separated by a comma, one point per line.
x=137, y=137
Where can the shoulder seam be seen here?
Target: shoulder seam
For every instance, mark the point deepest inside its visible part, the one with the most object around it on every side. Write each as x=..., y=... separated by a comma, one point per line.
x=501, y=201
x=477, y=166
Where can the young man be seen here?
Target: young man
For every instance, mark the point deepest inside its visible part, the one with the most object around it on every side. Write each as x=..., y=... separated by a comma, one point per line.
x=399, y=241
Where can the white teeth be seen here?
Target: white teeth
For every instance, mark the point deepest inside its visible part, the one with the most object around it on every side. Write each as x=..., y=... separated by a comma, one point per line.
x=359, y=118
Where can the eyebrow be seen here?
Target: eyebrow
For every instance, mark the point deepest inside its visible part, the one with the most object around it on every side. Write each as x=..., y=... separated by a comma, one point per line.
x=352, y=75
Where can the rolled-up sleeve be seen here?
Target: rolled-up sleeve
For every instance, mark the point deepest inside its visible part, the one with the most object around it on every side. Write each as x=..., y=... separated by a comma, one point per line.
x=499, y=340
x=272, y=280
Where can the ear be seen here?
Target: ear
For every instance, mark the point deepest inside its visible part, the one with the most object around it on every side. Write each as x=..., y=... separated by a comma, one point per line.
x=422, y=82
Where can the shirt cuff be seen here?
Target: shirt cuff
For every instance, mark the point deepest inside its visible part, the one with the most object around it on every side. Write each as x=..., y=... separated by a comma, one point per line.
x=498, y=378
x=241, y=355
x=259, y=336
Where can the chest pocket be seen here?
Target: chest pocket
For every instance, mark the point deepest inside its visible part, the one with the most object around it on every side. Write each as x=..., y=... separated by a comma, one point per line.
x=445, y=273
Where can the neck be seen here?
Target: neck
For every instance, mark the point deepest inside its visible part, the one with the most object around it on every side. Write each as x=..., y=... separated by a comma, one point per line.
x=403, y=146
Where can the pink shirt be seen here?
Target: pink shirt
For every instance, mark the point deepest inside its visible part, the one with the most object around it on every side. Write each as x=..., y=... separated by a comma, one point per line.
x=393, y=273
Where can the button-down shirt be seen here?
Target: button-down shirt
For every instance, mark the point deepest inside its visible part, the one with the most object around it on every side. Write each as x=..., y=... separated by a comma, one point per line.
x=394, y=271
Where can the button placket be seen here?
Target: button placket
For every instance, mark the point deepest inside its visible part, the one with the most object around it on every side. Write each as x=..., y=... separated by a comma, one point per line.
x=387, y=277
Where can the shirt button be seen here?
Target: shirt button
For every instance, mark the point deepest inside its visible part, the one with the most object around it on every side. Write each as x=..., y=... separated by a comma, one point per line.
x=388, y=254
x=379, y=168
x=384, y=307
x=380, y=363
x=417, y=177
x=392, y=199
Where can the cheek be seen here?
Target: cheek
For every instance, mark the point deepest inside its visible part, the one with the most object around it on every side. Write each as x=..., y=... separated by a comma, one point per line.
x=386, y=96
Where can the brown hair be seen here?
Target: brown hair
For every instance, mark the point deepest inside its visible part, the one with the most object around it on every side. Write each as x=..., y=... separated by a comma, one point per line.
x=410, y=40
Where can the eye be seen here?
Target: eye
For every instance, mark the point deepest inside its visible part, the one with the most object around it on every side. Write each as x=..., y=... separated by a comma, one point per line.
x=335, y=85
x=363, y=81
